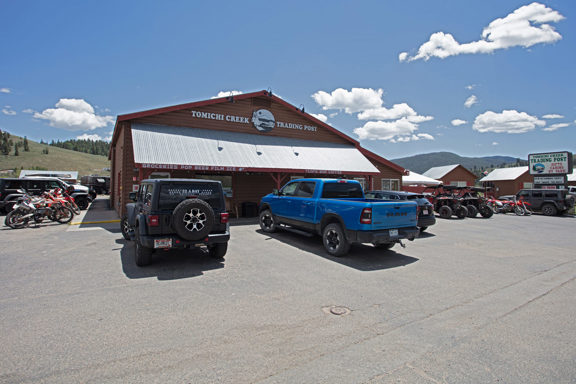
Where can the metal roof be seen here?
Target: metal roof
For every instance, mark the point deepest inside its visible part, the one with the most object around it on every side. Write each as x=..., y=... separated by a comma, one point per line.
x=59, y=174
x=182, y=146
x=503, y=174
x=440, y=172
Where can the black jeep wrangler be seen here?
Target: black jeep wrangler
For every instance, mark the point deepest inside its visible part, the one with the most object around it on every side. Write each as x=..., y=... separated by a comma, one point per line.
x=176, y=213
x=548, y=201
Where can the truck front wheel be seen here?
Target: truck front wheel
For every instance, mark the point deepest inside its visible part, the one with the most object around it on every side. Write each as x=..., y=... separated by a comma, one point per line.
x=334, y=240
x=267, y=222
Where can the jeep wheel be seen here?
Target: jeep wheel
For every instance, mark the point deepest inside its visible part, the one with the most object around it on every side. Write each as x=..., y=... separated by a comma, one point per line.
x=472, y=211
x=267, y=222
x=217, y=251
x=125, y=227
x=461, y=212
x=143, y=255
x=335, y=240
x=445, y=212
x=193, y=219
x=549, y=210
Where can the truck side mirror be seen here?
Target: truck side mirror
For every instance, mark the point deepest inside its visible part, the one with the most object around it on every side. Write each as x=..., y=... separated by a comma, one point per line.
x=132, y=196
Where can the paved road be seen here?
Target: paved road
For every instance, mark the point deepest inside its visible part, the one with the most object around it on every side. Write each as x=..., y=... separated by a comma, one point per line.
x=474, y=301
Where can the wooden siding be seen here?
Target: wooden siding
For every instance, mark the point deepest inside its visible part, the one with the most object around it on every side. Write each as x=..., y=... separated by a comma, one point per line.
x=245, y=108
x=459, y=174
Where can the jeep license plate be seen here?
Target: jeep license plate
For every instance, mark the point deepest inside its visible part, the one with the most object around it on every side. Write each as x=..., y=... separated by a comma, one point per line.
x=162, y=243
x=393, y=233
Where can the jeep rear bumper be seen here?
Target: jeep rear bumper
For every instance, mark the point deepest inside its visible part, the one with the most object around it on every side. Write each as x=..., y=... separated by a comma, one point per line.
x=177, y=242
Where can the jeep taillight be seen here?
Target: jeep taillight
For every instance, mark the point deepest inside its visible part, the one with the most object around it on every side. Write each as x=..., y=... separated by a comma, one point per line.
x=153, y=220
x=366, y=216
x=224, y=217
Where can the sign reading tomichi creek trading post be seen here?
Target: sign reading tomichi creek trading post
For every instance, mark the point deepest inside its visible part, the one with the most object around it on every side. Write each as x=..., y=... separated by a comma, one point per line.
x=554, y=163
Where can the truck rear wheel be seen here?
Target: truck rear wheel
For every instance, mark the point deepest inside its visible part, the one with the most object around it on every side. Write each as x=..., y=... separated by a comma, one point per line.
x=334, y=240
x=143, y=255
x=217, y=251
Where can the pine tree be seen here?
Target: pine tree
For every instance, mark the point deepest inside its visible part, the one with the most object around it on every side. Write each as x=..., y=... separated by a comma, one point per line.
x=26, y=145
x=16, y=153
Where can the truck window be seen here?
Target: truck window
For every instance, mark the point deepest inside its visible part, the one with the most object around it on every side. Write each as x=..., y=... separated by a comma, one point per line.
x=290, y=189
x=342, y=190
x=306, y=189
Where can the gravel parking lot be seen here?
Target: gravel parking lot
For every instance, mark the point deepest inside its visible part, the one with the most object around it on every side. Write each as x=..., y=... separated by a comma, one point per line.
x=474, y=300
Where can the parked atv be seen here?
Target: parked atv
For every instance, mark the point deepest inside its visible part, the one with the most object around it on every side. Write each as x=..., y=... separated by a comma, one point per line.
x=446, y=202
x=474, y=202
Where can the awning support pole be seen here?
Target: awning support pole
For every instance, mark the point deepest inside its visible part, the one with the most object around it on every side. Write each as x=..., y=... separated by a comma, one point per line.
x=278, y=179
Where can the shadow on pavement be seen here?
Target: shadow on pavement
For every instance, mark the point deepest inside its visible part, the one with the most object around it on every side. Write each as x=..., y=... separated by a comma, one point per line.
x=167, y=265
x=362, y=257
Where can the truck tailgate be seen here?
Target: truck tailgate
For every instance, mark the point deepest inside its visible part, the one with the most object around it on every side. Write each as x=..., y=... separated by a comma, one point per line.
x=386, y=215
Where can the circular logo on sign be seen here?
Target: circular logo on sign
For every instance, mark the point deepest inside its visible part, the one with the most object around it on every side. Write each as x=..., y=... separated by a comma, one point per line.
x=263, y=120
x=539, y=168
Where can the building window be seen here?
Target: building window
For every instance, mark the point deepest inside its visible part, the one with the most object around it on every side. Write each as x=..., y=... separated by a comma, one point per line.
x=391, y=184
x=362, y=181
x=528, y=186
x=458, y=183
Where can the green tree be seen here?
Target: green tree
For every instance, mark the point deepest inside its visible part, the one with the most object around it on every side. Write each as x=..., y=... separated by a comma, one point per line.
x=26, y=145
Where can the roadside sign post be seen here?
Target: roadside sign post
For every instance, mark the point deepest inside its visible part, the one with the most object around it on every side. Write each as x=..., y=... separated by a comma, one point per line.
x=550, y=169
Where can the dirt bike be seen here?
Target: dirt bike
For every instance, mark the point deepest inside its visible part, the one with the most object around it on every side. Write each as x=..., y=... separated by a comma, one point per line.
x=27, y=209
x=67, y=199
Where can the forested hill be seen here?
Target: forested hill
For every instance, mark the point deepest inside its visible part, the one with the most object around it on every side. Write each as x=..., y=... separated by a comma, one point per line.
x=422, y=163
x=97, y=147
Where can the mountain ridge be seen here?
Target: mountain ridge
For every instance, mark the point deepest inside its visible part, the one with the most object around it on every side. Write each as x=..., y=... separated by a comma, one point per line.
x=423, y=162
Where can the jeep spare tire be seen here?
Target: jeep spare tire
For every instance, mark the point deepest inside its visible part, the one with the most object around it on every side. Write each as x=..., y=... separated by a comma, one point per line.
x=193, y=219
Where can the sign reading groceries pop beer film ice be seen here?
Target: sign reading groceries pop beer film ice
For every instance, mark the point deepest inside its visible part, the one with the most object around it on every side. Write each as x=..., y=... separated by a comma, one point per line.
x=554, y=163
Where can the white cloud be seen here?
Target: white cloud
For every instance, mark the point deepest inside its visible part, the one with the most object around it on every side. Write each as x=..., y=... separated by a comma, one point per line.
x=470, y=87
x=458, y=122
x=396, y=124
x=28, y=110
x=333, y=115
x=86, y=136
x=506, y=122
x=471, y=101
x=397, y=111
x=401, y=130
x=525, y=27
x=5, y=90
x=74, y=115
x=226, y=94
x=323, y=118
x=553, y=116
x=495, y=143
x=7, y=110
x=555, y=127
x=356, y=100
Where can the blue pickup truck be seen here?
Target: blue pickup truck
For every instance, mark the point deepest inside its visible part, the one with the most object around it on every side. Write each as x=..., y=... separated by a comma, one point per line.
x=337, y=210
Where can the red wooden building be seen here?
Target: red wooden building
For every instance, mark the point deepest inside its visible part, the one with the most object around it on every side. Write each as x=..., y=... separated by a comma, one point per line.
x=252, y=143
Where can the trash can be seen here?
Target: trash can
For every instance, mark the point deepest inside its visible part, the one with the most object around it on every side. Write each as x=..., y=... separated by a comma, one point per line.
x=249, y=209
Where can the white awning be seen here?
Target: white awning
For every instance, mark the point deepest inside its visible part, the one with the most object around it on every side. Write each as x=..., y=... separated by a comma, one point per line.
x=167, y=147
x=417, y=179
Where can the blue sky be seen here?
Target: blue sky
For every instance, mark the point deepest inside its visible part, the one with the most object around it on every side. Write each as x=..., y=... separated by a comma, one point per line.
x=477, y=78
